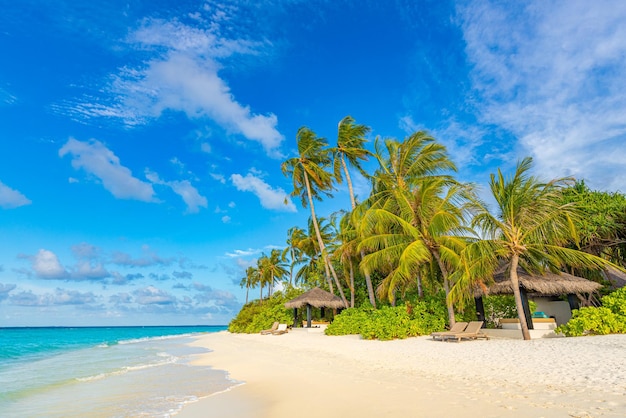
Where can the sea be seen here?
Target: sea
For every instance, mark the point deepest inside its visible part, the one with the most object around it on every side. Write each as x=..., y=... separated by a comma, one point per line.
x=103, y=371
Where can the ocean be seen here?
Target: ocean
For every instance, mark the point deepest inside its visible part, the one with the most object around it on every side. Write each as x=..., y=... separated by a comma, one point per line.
x=103, y=371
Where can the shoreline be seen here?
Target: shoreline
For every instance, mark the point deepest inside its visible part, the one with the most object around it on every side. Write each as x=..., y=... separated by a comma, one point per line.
x=308, y=374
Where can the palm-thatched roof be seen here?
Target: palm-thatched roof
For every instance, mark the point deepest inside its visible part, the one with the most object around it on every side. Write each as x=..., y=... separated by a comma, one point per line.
x=317, y=298
x=547, y=284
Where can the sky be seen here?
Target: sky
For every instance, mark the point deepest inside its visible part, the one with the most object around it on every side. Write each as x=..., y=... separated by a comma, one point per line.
x=141, y=141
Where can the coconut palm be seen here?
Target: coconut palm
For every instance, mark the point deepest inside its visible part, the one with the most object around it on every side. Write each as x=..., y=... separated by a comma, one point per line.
x=418, y=227
x=295, y=236
x=310, y=180
x=530, y=230
x=250, y=280
x=351, y=150
x=275, y=268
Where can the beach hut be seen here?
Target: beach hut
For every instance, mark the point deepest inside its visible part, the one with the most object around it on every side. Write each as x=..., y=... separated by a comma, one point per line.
x=314, y=298
x=535, y=286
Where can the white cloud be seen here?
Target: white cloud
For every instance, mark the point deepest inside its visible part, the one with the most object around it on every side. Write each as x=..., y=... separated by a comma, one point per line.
x=554, y=75
x=95, y=158
x=190, y=195
x=270, y=198
x=46, y=265
x=226, y=219
x=150, y=295
x=10, y=198
x=183, y=76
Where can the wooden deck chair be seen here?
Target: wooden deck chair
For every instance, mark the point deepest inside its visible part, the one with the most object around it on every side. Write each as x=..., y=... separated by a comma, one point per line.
x=472, y=332
x=269, y=331
x=455, y=329
x=282, y=329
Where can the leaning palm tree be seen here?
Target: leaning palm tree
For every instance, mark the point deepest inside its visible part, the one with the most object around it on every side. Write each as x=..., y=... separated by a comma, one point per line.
x=530, y=230
x=310, y=180
x=351, y=150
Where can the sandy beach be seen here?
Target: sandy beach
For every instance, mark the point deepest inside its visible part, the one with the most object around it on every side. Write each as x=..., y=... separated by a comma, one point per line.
x=308, y=374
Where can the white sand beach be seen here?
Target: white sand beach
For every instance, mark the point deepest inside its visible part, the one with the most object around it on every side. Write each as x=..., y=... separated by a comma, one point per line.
x=310, y=375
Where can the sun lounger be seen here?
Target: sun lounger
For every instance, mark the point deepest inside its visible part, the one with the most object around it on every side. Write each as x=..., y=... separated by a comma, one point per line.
x=472, y=332
x=269, y=331
x=455, y=329
x=282, y=329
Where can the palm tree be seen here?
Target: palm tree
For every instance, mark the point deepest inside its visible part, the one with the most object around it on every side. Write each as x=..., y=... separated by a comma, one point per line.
x=410, y=173
x=275, y=268
x=310, y=179
x=295, y=236
x=530, y=230
x=249, y=280
x=418, y=227
x=351, y=149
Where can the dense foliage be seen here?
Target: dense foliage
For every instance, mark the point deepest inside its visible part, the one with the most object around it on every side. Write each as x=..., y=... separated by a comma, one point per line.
x=256, y=316
x=610, y=318
x=501, y=306
x=421, y=232
x=387, y=323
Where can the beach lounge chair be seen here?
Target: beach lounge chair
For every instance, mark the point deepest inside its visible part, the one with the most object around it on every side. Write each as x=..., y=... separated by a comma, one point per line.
x=269, y=331
x=455, y=329
x=472, y=332
x=282, y=329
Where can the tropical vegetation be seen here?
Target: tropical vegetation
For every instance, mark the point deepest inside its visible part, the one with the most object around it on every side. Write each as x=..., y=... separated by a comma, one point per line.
x=408, y=256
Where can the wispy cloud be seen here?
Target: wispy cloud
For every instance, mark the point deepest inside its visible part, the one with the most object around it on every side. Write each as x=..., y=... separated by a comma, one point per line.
x=270, y=198
x=148, y=258
x=554, y=75
x=10, y=198
x=190, y=195
x=5, y=289
x=96, y=159
x=59, y=297
x=182, y=74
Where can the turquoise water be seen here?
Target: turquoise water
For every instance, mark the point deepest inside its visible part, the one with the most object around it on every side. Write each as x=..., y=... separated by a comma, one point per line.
x=102, y=371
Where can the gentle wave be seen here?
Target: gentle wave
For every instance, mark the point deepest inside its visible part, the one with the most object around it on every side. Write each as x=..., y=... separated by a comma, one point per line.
x=169, y=360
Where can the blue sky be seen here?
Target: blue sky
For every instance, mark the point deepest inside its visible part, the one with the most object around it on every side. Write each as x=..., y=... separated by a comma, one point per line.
x=141, y=141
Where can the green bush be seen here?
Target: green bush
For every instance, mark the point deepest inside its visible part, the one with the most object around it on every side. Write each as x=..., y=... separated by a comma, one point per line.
x=607, y=319
x=256, y=316
x=388, y=323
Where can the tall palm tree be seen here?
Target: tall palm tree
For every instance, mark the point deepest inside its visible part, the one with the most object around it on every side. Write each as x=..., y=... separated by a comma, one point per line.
x=311, y=179
x=418, y=227
x=351, y=150
x=530, y=230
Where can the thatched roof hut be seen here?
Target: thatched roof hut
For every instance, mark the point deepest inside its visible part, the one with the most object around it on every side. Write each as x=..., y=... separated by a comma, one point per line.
x=317, y=298
x=548, y=284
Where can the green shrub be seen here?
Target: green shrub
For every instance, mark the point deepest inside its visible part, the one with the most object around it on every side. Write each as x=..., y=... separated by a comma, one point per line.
x=256, y=316
x=607, y=319
x=388, y=323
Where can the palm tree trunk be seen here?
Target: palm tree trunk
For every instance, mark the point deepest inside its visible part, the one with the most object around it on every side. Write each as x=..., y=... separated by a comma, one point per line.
x=247, y=290
x=320, y=241
x=261, y=295
x=368, y=278
x=420, y=290
x=351, y=285
x=518, y=297
x=446, y=287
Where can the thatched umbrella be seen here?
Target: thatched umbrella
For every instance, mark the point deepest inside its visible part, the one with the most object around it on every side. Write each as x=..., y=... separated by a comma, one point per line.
x=547, y=284
x=317, y=298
